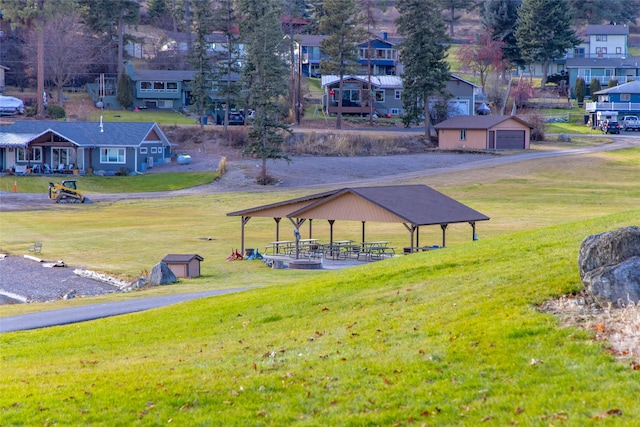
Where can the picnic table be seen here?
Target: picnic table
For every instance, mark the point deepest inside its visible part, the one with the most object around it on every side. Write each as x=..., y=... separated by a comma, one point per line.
x=280, y=247
x=376, y=250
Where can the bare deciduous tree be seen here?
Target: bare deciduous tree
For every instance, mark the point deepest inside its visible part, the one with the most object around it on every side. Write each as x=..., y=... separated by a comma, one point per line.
x=68, y=50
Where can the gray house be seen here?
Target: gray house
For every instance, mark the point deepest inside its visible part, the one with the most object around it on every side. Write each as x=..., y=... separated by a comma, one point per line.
x=85, y=147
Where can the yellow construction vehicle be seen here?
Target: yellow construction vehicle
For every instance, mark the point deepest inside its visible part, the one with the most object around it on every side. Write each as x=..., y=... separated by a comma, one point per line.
x=66, y=192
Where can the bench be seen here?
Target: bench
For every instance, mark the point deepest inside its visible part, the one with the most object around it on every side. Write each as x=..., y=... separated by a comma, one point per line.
x=20, y=169
x=36, y=248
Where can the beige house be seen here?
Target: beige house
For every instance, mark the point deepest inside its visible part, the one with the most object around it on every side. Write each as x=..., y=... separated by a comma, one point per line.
x=483, y=133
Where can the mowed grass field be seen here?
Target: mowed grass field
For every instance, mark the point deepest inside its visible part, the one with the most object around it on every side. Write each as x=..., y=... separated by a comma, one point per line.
x=447, y=337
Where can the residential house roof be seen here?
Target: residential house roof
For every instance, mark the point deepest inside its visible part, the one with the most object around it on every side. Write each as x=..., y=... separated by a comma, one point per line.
x=164, y=75
x=310, y=40
x=477, y=122
x=612, y=29
x=627, y=62
x=88, y=134
x=378, y=81
x=15, y=140
x=454, y=77
x=631, y=87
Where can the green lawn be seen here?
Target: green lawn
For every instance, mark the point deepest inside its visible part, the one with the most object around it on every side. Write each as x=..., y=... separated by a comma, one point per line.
x=440, y=338
x=112, y=184
x=157, y=116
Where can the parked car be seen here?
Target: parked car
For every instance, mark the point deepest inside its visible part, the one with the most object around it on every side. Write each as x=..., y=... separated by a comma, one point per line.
x=631, y=123
x=610, y=126
x=235, y=119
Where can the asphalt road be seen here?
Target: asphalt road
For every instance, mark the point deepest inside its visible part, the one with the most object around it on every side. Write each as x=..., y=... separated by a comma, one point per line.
x=97, y=311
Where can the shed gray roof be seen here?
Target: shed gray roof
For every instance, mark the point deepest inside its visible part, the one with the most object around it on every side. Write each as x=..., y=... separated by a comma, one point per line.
x=631, y=87
x=476, y=122
x=181, y=258
x=89, y=134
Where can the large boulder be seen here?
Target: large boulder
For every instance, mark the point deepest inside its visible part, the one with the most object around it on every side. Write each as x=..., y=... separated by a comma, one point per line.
x=609, y=266
x=161, y=274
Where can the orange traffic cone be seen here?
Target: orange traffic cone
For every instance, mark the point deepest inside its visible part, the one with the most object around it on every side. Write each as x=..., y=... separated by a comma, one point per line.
x=15, y=186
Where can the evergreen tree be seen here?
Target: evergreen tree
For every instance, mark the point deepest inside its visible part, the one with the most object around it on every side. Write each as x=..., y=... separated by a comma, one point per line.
x=341, y=23
x=199, y=58
x=125, y=91
x=500, y=17
x=605, y=11
x=580, y=90
x=544, y=32
x=594, y=86
x=423, y=52
x=453, y=6
x=108, y=19
x=265, y=73
x=227, y=60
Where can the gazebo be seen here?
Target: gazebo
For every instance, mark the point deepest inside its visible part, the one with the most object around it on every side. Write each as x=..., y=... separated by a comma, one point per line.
x=412, y=205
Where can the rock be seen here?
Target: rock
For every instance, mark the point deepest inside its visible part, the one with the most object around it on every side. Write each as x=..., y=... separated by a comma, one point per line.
x=609, y=266
x=564, y=138
x=618, y=284
x=161, y=274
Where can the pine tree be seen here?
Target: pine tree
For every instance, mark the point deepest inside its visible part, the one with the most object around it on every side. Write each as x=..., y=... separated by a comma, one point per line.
x=580, y=90
x=423, y=53
x=125, y=91
x=199, y=58
x=341, y=23
x=500, y=17
x=544, y=32
x=265, y=74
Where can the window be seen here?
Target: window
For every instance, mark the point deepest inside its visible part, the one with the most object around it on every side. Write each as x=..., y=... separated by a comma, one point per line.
x=618, y=50
x=601, y=37
x=143, y=150
x=463, y=134
x=112, y=155
x=397, y=94
x=172, y=87
x=625, y=97
x=35, y=155
x=154, y=150
x=379, y=95
x=145, y=87
x=158, y=86
x=62, y=156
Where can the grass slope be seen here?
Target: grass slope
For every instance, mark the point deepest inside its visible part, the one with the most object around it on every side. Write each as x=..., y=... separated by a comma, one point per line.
x=444, y=338
x=448, y=337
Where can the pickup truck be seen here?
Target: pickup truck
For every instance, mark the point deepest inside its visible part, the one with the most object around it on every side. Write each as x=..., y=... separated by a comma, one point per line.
x=631, y=123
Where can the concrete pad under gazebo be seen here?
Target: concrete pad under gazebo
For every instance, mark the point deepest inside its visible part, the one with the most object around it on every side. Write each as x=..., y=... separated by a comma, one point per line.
x=411, y=205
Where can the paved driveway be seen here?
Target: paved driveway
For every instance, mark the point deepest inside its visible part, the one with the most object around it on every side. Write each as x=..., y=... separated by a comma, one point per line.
x=65, y=316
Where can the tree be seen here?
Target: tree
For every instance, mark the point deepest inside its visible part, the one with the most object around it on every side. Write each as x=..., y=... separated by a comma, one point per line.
x=544, y=32
x=482, y=56
x=371, y=21
x=33, y=14
x=199, y=57
x=594, y=86
x=124, y=94
x=605, y=11
x=265, y=74
x=580, y=89
x=69, y=49
x=108, y=19
x=451, y=6
x=424, y=52
x=500, y=17
x=228, y=59
x=341, y=22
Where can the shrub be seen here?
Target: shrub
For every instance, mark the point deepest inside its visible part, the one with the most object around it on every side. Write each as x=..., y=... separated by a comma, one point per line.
x=594, y=86
x=55, y=112
x=580, y=89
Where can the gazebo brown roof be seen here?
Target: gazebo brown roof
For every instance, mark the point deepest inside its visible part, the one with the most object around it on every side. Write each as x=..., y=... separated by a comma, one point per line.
x=411, y=205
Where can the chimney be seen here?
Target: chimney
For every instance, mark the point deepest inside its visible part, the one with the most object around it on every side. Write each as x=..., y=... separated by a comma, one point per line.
x=384, y=35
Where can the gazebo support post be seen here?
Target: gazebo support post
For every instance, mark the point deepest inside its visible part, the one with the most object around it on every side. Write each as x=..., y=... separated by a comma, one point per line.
x=244, y=221
x=310, y=229
x=411, y=228
x=363, y=239
x=297, y=224
x=277, y=220
x=331, y=221
x=473, y=227
x=417, y=236
x=444, y=234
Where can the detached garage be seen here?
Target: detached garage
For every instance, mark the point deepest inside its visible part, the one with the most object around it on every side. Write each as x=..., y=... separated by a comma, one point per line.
x=484, y=133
